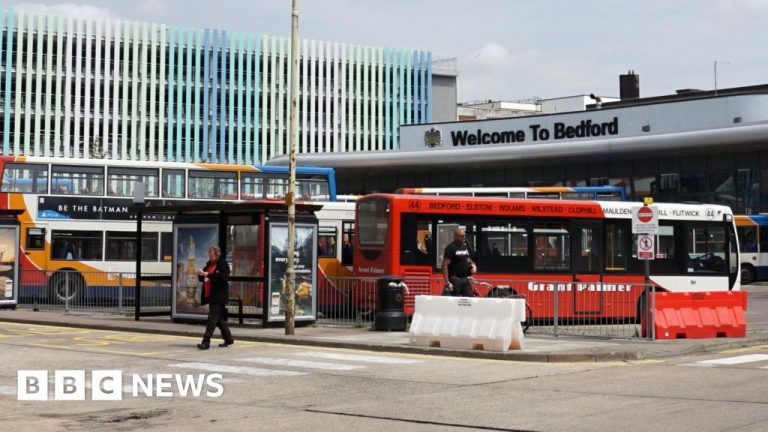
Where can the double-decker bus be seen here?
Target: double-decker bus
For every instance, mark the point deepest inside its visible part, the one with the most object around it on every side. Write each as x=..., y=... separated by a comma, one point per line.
x=581, y=193
x=753, y=247
x=582, y=249
x=76, y=213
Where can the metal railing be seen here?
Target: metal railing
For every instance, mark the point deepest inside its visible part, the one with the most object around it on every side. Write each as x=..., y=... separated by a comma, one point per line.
x=346, y=301
x=575, y=308
x=553, y=307
x=107, y=292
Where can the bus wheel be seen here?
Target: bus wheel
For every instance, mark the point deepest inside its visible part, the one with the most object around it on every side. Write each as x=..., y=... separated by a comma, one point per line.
x=66, y=286
x=747, y=274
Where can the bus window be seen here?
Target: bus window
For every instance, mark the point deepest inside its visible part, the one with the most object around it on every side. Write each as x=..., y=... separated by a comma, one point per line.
x=166, y=246
x=277, y=187
x=77, y=180
x=579, y=196
x=120, y=181
x=173, y=183
x=706, y=250
x=373, y=218
x=326, y=242
x=615, y=247
x=76, y=245
x=35, y=238
x=544, y=195
x=347, y=237
x=552, y=245
x=665, y=262
x=503, y=247
x=314, y=189
x=747, y=238
x=243, y=251
x=499, y=239
x=445, y=235
x=121, y=246
x=212, y=184
x=424, y=244
x=251, y=186
x=25, y=178
x=763, y=234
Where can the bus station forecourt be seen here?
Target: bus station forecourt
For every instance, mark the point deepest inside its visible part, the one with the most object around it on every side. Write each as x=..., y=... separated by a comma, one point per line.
x=564, y=242
x=581, y=250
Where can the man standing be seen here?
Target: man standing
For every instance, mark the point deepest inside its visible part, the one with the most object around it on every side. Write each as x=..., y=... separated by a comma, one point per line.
x=458, y=266
x=215, y=279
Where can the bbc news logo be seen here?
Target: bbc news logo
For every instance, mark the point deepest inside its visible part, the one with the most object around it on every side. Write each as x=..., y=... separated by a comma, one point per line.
x=107, y=385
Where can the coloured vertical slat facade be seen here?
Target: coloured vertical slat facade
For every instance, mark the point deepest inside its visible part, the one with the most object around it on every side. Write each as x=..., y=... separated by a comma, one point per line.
x=128, y=90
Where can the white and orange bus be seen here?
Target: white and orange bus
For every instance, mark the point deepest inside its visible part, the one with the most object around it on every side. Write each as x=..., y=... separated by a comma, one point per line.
x=582, y=249
x=76, y=213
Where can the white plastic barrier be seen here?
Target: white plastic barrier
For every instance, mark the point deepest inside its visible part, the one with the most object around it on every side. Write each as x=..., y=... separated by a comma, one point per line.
x=491, y=324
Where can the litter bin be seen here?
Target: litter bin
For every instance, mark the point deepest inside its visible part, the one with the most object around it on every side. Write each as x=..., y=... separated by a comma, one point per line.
x=389, y=314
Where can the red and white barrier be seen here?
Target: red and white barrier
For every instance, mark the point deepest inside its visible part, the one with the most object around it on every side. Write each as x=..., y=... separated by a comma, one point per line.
x=698, y=315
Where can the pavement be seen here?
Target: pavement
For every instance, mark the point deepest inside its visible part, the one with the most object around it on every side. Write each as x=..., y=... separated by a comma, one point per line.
x=268, y=387
x=538, y=348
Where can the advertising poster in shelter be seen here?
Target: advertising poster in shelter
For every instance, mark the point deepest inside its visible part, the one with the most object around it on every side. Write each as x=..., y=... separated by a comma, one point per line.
x=9, y=244
x=191, y=254
x=305, y=260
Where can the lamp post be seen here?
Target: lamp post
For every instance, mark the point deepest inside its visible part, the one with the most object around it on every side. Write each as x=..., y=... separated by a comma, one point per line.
x=716, y=62
x=290, y=271
x=138, y=200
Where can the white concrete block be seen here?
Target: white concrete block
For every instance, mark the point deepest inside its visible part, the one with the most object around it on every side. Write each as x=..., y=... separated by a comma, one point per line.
x=491, y=324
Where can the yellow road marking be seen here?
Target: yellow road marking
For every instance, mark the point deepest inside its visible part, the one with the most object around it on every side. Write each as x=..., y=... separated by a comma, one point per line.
x=745, y=349
x=645, y=362
x=107, y=351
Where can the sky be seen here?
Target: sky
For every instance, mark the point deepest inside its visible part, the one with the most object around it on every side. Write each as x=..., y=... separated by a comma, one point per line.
x=506, y=49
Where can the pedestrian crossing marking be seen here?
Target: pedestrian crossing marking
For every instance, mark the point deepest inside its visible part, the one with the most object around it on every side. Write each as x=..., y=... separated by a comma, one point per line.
x=358, y=358
x=8, y=390
x=268, y=361
x=212, y=367
x=729, y=361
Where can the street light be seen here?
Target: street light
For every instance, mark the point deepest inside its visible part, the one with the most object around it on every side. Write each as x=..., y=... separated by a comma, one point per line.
x=138, y=200
x=716, y=62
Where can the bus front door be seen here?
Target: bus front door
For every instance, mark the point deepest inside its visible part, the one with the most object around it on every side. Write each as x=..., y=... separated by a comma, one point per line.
x=587, y=268
x=9, y=263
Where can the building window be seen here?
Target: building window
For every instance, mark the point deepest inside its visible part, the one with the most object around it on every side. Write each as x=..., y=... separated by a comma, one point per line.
x=25, y=178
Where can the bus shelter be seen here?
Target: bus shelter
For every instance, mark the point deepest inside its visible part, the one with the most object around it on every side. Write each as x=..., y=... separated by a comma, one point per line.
x=253, y=237
x=9, y=257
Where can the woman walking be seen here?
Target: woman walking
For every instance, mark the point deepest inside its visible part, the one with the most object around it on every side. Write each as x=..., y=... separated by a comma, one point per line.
x=215, y=279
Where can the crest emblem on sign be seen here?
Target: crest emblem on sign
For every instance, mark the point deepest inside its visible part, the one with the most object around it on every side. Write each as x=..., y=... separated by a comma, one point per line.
x=433, y=138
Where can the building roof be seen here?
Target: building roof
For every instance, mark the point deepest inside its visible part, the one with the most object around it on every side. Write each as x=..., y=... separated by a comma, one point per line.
x=728, y=120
